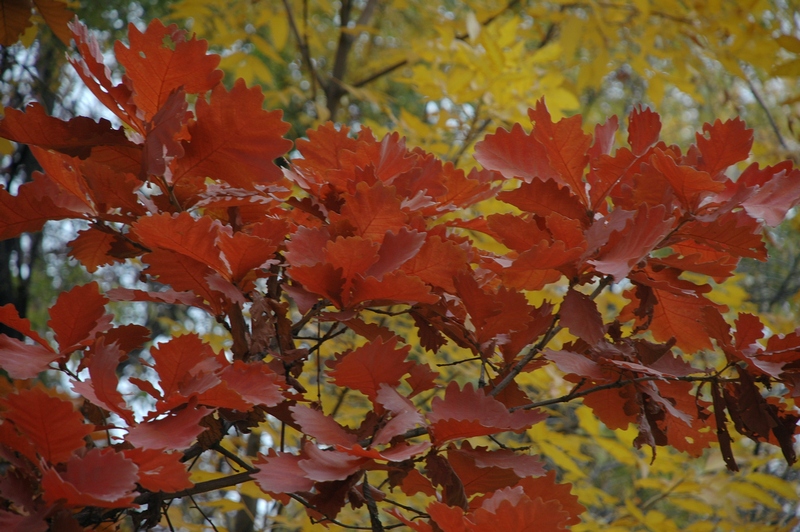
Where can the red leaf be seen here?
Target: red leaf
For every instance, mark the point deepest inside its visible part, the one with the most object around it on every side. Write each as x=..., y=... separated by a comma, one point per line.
x=24, y=361
x=627, y=247
x=724, y=144
x=75, y=137
x=181, y=233
x=176, y=360
x=51, y=424
x=353, y=255
x=11, y=318
x=580, y=315
x=732, y=233
x=234, y=139
x=437, y=263
x=321, y=153
x=324, y=466
x=470, y=412
x=176, y=431
x=566, y=145
x=479, y=479
x=372, y=210
x=161, y=60
x=16, y=17
x=777, y=189
x=160, y=471
x=395, y=250
x=644, y=127
x=97, y=76
x=576, y=364
x=404, y=415
x=544, y=198
x=367, y=367
x=690, y=185
x=321, y=427
x=604, y=138
x=421, y=378
x=76, y=316
x=102, y=388
x=57, y=17
x=539, y=265
x=254, y=382
x=492, y=314
x=679, y=316
x=92, y=248
x=86, y=480
x=165, y=296
x=34, y=204
x=281, y=473
x=523, y=465
x=547, y=488
x=183, y=274
x=515, y=154
x=245, y=253
x=394, y=287
x=499, y=514
x=162, y=141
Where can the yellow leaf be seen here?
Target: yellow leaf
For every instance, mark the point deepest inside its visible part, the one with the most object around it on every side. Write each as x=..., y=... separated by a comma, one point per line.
x=785, y=489
x=754, y=493
x=693, y=505
x=279, y=32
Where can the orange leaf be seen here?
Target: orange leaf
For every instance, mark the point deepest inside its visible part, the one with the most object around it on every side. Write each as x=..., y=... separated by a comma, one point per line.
x=234, y=139
x=77, y=316
x=437, y=263
x=372, y=210
x=724, y=144
x=51, y=424
x=515, y=154
x=161, y=60
x=160, y=471
x=367, y=367
x=56, y=15
x=644, y=127
x=86, y=482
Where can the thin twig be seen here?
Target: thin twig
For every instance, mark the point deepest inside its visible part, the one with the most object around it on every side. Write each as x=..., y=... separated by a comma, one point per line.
x=374, y=516
x=772, y=123
x=234, y=458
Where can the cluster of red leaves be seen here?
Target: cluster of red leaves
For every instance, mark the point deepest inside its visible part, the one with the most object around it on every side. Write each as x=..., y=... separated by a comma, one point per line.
x=357, y=225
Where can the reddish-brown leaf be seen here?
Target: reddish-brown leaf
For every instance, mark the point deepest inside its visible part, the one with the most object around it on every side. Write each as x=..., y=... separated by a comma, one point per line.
x=51, y=424
x=544, y=198
x=404, y=415
x=437, y=263
x=176, y=360
x=75, y=137
x=639, y=237
x=395, y=250
x=101, y=389
x=176, y=431
x=57, y=16
x=281, y=473
x=372, y=211
x=161, y=60
x=644, y=127
x=566, y=145
x=580, y=315
x=515, y=154
x=163, y=133
x=254, y=382
x=16, y=16
x=92, y=248
x=234, y=139
x=321, y=427
x=77, y=316
x=724, y=144
x=733, y=233
x=539, y=265
x=11, y=318
x=86, y=480
x=160, y=471
x=469, y=412
x=679, y=316
x=690, y=185
x=776, y=189
x=24, y=361
x=324, y=466
x=367, y=367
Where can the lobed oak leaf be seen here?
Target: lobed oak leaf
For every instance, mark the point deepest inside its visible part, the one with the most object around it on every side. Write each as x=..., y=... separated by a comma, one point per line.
x=322, y=279
x=492, y=313
x=394, y=287
x=75, y=137
x=165, y=296
x=159, y=471
x=579, y=314
x=57, y=16
x=281, y=473
x=176, y=431
x=776, y=189
x=92, y=247
x=604, y=138
x=565, y=144
x=421, y=378
x=65, y=172
x=606, y=174
x=626, y=247
x=353, y=255
x=245, y=253
x=372, y=211
x=398, y=453
x=437, y=263
x=184, y=274
x=321, y=153
x=322, y=428
x=679, y=316
x=77, y=316
x=576, y=364
x=162, y=142
x=477, y=479
x=97, y=76
x=396, y=249
x=723, y=144
x=368, y=367
x=36, y=202
x=160, y=60
x=515, y=154
x=540, y=265
x=101, y=388
x=51, y=424
x=86, y=482
x=469, y=412
x=177, y=360
x=404, y=415
x=524, y=514
x=691, y=186
x=35, y=522
x=234, y=140
x=16, y=17
x=255, y=383
x=732, y=233
x=644, y=127
x=544, y=198
x=325, y=466
x=25, y=361
x=11, y=318
x=523, y=465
